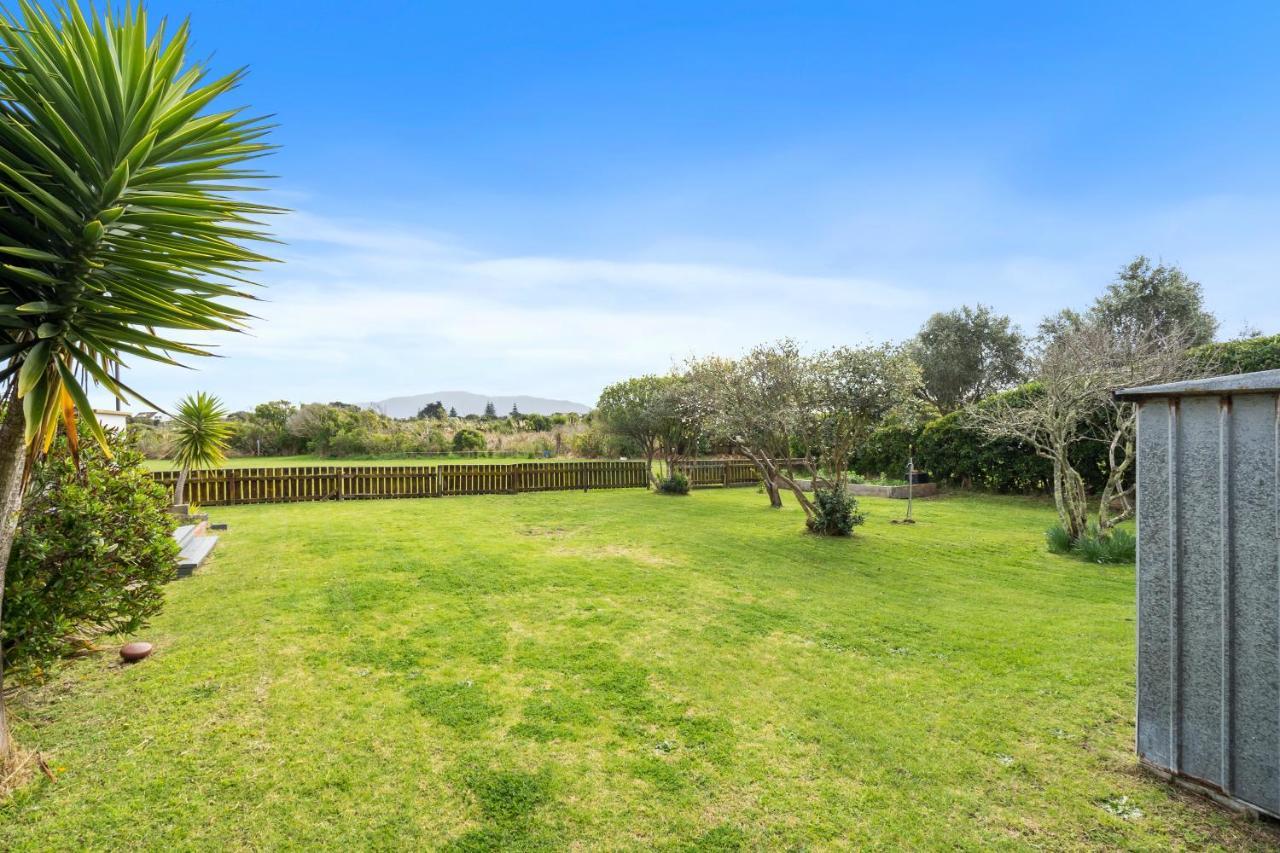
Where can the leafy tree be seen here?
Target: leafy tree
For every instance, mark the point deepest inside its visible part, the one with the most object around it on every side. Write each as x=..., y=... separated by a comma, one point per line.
x=759, y=405
x=635, y=410
x=453, y=413
x=314, y=426
x=967, y=354
x=200, y=438
x=1141, y=302
x=855, y=390
x=515, y=412
x=432, y=411
x=123, y=216
x=91, y=556
x=490, y=411
x=774, y=399
x=1155, y=300
x=265, y=430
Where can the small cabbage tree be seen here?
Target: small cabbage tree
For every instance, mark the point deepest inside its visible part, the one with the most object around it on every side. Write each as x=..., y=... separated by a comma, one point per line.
x=200, y=435
x=123, y=220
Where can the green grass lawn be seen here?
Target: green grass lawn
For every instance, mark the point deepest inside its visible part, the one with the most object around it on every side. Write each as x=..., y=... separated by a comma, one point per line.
x=299, y=461
x=618, y=670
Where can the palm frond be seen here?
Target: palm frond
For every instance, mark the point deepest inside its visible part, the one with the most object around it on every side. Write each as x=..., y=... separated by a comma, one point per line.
x=122, y=209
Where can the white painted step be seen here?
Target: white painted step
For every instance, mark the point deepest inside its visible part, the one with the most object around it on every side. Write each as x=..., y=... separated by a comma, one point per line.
x=184, y=534
x=194, y=553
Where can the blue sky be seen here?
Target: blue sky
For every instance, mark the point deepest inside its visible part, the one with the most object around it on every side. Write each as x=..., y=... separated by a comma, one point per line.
x=542, y=198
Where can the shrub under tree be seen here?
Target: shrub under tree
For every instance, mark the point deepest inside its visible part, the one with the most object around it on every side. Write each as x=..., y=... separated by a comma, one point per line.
x=92, y=552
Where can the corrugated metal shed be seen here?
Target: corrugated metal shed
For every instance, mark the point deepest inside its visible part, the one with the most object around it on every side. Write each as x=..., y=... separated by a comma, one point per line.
x=1209, y=583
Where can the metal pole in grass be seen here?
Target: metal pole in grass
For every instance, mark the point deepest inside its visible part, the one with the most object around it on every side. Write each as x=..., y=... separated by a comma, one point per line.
x=911, y=485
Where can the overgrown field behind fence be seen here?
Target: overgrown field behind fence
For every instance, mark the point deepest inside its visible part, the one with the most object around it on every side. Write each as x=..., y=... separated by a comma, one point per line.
x=234, y=486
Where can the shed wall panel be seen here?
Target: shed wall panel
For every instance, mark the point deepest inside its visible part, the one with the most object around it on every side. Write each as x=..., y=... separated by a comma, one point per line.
x=1200, y=545
x=1255, y=604
x=1155, y=585
x=1209, y=591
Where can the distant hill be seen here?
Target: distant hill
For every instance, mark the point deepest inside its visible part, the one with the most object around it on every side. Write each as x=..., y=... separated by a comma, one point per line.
x=473, y=404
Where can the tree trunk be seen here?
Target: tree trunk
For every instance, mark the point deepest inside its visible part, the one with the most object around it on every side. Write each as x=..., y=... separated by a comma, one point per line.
x=1069, y=498
x=801, y=498
x=767, y=476
x=653, y=478
x=775, y=496
x=1114, y=490
x=13, y=465
x=180, y=487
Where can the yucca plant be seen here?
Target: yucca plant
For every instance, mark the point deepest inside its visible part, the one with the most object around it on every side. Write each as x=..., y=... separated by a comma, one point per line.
x=123, y=219
x=200, y=434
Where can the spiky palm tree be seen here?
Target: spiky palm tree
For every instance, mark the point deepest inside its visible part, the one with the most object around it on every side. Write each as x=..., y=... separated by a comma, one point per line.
x=200, y=434
x=122, y=219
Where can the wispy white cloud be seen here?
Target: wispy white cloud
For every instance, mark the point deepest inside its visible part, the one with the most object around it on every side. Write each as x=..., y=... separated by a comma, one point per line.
x=361, y=310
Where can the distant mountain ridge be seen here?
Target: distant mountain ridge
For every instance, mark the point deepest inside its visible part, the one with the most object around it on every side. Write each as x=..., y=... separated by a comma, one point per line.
x=468, y=403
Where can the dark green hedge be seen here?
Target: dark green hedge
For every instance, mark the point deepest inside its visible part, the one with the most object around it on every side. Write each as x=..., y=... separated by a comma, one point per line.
x=954, y=454
x=1246, y=356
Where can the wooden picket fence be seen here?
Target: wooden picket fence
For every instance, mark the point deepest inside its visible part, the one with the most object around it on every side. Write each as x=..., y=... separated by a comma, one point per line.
x=726, y=473
x=234, y=486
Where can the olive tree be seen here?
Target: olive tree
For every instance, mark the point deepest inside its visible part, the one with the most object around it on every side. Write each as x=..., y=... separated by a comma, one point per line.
x=854, y=390
x=776, y=401
x=756, y=405
x=1144, y=300
x=967, y=354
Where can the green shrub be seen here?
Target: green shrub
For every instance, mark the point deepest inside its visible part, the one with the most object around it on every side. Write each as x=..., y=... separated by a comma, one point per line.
x=1058, y=540
x=886, y=451
x=1246, y=356
x=468, y=439
x=676, y=484
x=837, y=513
x=92, y=551
x=595, y=443
x=1118, y=546
x=953, y=453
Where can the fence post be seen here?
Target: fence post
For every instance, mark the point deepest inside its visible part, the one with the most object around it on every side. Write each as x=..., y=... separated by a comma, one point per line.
x=233, y=487
x=342, y=484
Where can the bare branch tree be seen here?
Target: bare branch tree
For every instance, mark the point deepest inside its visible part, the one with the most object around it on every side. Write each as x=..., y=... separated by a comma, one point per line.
x=1072, y=402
